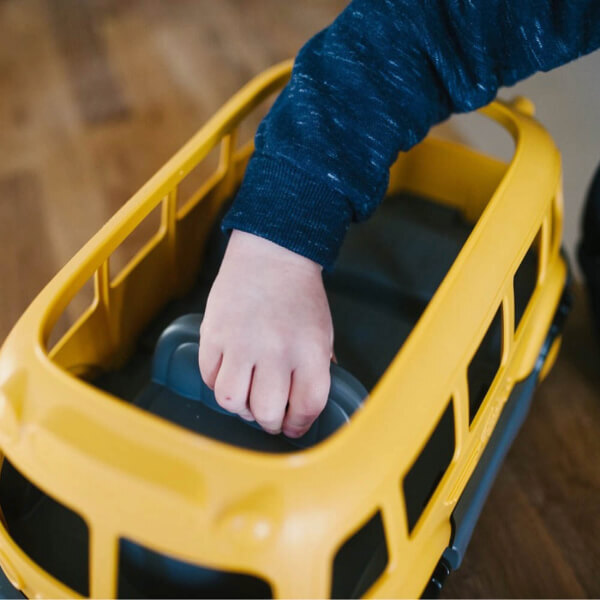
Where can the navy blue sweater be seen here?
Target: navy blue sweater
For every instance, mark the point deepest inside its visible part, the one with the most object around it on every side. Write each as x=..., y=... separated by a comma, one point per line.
x=371, y=85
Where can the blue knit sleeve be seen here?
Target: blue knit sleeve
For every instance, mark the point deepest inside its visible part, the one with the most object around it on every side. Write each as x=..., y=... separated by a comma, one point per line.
x=371, y=85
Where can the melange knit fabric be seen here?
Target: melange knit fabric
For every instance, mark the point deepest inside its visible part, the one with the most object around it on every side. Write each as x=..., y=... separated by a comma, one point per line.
x=371, y=85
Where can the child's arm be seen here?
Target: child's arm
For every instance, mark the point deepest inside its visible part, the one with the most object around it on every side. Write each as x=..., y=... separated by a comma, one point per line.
x=365, y=88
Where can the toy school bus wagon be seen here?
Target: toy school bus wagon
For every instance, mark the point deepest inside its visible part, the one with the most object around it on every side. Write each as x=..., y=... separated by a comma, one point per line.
x=120, y=478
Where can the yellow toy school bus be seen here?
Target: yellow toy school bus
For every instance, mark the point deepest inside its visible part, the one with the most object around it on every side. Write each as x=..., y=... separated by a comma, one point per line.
x=120, y=479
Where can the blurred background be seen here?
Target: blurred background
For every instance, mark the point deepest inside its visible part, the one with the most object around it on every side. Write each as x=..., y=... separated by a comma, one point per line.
x=96, y=95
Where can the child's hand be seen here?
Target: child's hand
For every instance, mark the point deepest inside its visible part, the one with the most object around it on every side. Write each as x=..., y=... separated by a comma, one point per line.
x=267, y=336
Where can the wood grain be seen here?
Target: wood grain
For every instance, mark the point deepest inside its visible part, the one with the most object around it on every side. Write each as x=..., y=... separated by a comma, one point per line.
x=97, y=95
x=24, y=259
x=88, y=69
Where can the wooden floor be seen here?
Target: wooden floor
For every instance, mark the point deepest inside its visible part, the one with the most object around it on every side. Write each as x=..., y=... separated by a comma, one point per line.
x=95, y=96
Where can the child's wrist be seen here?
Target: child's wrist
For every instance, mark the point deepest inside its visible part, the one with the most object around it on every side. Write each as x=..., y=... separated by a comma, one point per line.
x=253, y=247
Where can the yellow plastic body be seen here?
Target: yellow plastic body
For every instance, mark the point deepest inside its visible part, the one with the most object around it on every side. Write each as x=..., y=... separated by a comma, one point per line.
x=131, y=474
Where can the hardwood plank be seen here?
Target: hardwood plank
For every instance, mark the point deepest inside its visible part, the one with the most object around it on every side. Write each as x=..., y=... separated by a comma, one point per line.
x=27, y=259
x=82, y=48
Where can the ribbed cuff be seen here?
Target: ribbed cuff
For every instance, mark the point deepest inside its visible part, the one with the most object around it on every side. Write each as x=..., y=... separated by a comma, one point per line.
x=281, y=203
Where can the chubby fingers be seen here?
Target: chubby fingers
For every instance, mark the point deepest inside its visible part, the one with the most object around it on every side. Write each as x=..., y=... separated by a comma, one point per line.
x=308, y=397
x=268, y=389
x=269, y=395
x=232, y=385
x=230, y=378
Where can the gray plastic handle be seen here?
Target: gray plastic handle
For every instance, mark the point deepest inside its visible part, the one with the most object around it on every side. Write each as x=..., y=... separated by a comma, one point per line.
x=175, y=366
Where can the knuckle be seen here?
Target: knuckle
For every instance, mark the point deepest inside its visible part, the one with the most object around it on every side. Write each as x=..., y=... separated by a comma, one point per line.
x=206, y=330
x=316, y=337
x=269, y=417
x=307, y=409
x=320, y=354
x=275, y=347
x=317, y=388
x=299, y=424
x=310, y=404
x=315, y=354
x=243, y=347
x=211, y=337
x=208, y=349
x=227, y=399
